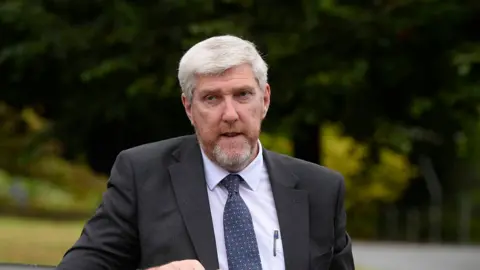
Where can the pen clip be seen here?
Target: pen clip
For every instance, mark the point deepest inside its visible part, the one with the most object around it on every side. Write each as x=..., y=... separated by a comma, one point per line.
x=275, y=238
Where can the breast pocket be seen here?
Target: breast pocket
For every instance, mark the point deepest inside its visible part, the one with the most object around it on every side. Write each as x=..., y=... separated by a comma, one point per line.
x=277, y=258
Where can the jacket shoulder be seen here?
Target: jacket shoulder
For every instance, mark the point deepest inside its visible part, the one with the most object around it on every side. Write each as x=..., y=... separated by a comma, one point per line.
x=159, y=151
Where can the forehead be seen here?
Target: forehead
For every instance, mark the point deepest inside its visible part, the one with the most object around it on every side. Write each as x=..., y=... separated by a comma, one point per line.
x=234, y=78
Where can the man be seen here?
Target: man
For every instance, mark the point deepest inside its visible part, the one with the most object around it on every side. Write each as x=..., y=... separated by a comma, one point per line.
x=217, y=199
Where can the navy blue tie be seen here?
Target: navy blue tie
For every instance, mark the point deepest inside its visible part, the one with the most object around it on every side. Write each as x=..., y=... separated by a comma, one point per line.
x=240, y=240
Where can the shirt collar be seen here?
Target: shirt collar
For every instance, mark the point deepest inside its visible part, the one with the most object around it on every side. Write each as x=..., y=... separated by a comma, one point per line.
x=214, y=174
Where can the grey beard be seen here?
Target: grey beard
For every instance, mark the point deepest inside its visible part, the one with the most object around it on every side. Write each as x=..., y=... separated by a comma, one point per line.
x=233, y=163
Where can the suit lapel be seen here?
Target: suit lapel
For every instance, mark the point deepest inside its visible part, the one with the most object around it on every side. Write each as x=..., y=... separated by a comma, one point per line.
x=292, y=210
x=188, y=181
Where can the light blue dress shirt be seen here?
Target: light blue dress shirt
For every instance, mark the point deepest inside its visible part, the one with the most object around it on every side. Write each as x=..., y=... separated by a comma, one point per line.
x=256, y=191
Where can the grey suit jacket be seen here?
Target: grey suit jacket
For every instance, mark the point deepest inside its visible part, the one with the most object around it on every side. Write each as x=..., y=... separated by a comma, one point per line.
x=155, y=210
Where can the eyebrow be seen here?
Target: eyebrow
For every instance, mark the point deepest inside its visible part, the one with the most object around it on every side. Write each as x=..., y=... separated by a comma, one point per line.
x=235, y=89
x=245, y=87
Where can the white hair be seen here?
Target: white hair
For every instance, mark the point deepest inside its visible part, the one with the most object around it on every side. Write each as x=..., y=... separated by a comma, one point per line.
x=215, y=55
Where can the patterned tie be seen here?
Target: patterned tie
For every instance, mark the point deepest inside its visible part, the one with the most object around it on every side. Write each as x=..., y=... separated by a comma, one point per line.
x=240, y=240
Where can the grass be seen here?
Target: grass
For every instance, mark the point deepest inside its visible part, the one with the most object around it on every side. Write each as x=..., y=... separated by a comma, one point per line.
x=33, y=241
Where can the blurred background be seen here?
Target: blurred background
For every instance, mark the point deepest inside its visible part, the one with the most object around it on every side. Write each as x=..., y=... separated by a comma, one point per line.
x=387, y=92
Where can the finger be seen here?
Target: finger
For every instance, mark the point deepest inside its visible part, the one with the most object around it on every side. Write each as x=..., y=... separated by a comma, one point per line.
x=164, y=267
x=196, y=265
x=175, y=265
x=170, y=266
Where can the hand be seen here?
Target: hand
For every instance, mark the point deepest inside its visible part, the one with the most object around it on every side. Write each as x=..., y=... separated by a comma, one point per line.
x=180, y=265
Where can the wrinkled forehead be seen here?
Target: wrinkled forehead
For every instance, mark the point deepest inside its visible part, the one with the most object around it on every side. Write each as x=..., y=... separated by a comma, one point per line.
x=238, y=78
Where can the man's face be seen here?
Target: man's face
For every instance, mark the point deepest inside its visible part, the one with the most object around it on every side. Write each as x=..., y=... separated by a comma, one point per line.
x=227, y=112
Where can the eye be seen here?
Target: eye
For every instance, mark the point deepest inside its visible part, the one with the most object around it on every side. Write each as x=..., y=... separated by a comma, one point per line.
x=244, y=94
x=210, y=97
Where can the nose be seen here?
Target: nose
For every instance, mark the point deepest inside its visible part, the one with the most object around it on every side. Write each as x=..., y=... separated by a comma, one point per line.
x=230, y=112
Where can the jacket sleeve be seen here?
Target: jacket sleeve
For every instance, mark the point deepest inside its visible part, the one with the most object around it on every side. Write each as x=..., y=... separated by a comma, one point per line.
x=342, y=250
x=109, y=239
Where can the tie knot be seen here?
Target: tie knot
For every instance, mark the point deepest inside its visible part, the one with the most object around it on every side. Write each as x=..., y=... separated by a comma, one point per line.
x=232, y=183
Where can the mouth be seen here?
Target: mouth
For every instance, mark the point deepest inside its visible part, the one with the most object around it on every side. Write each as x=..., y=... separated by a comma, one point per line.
x=230, y=134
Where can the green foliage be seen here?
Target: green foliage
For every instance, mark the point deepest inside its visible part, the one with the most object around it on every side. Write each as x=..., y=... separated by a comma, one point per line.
x=366, y=184
x=364, y=65
x=4, y=184
x=401, y=77
x=45, y=198
x=276, y=143
x=33, y=158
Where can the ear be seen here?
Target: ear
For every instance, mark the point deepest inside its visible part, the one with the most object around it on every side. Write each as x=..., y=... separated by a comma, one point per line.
x=187, y=104
x=266, y=99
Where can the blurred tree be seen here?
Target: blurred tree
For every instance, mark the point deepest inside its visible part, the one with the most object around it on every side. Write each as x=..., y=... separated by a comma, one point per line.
x=368, y=185
x=27, y=150
x=397, y=74
x=400, y=75
x=383, y=182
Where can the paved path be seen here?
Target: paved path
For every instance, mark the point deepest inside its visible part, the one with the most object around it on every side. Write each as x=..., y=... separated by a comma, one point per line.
x=393, y=256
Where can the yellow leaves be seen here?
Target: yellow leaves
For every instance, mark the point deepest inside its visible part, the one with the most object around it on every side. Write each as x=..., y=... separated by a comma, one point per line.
x=384, y=181
x=365, y=183
x=22, y=122
x=341, y=153
x=276, y=143
x=33, y=120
